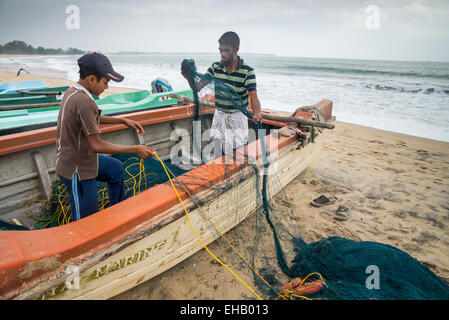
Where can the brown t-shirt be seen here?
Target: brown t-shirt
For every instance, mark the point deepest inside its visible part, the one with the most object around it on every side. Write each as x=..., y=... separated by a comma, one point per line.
x=78, y=117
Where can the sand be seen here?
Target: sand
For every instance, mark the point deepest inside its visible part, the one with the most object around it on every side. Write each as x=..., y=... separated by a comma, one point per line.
x=52, y=78
x=396, y=186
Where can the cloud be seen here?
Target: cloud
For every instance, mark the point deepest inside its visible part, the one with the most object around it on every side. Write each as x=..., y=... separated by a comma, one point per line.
x=289, y=27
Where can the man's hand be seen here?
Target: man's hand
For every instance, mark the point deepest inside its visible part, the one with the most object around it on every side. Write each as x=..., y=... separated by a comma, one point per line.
x=255, y=106
x=134, y=125
x=99, y=146
x=256, y=117
x=188, y=80
x=144, y=152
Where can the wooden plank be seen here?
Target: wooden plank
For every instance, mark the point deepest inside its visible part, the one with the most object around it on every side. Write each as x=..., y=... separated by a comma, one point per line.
x=55, y=93
x=30, y=106
x=300, y=121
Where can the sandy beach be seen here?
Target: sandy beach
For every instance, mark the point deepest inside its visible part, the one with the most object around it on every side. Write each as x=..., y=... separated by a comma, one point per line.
x=396, y=186
x=51, y=77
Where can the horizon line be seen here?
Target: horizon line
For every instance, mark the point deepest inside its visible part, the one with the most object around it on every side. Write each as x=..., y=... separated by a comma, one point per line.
x=273, y=54
x=215, y=53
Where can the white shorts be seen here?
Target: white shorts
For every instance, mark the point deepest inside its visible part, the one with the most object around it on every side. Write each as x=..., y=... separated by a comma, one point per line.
x=230, y=128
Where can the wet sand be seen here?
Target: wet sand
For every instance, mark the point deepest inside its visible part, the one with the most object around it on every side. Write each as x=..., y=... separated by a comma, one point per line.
x=396, y=186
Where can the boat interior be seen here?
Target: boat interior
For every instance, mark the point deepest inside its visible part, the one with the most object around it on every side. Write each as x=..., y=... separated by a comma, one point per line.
x=27, y=170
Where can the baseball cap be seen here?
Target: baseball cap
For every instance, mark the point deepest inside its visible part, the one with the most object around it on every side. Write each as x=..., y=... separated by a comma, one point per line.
x=99, y=64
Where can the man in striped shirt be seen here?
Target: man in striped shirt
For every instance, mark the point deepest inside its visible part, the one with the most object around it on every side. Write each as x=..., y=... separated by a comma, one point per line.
x=230, y=126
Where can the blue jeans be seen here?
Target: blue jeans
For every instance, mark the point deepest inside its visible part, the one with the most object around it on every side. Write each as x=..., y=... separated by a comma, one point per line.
x=83, y=195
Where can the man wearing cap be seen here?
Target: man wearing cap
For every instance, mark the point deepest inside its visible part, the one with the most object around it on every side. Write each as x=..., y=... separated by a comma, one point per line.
x=79, y=160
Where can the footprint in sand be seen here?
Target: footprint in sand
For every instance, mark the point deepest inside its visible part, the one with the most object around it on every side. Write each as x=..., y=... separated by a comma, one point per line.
x=434, y=222
x=438, y=154
x=426, y=237
x=424, y=155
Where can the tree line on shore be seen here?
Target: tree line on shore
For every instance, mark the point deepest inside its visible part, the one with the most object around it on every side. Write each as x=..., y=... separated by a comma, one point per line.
x=21, y=47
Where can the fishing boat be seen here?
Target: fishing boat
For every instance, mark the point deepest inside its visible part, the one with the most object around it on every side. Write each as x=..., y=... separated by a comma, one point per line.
x=35, y=109
x=124, y=245
x=23, y=98
x=11, y=87
x=19, y=111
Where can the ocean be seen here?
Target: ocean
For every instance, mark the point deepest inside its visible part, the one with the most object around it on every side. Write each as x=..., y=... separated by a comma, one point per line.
x=401, y=96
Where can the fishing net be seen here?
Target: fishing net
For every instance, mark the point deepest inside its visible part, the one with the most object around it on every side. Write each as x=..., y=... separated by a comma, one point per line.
x=5, y=226
x=351, y=268
x=140, y=175
x=333, y=268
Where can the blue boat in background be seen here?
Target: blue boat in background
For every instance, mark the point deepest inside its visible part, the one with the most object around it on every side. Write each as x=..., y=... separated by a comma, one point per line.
x=11, y=87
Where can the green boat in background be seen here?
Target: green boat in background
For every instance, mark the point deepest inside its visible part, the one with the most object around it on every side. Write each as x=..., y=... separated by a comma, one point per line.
x=25, y=102
x=36, y=117
x=138, y=100
x=31, y=97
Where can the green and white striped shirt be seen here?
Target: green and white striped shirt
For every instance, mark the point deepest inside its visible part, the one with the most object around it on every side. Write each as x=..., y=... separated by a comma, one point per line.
x=242, y=80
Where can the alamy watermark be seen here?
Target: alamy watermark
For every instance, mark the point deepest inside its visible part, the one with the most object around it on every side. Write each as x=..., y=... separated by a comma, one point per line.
x=73, y=280
x=72, y=21
x=373, y=280
x=372, y=21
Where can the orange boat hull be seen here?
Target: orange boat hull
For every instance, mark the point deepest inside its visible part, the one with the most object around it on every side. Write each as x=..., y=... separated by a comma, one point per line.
x=33, y=263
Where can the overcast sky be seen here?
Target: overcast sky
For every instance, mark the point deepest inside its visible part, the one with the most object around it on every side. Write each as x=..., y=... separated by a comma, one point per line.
x=407, y=29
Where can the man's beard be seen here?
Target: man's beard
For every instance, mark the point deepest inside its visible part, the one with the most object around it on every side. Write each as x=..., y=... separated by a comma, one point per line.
x=228, y=62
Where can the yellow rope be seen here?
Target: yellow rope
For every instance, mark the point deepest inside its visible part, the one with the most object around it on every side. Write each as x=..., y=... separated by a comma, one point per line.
x=221, y=234
x=62, y=214
x=288, y=294
x=202, y=243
